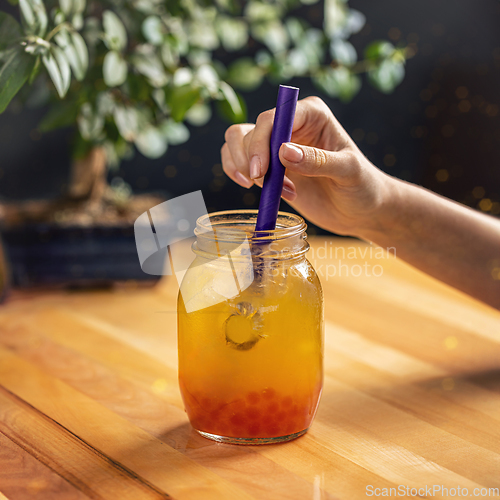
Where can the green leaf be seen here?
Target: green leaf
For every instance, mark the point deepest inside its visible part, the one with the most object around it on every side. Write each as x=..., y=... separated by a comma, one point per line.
x=75, y=50
x=245, y=74
x=180, y=100
x=58, y=68
x=169, y=56
x=343, y=52
x=77, y=22
x=66, y=7
x=90, y=123
x=81, y=52
x=335, y=17
x=105, y=103
x=199, y=114
x=10, y=30
x=232, y=106
x=203, y=35
x=379, y=49
x=182, y=76
x=297, y=63
x=354, y=22
x=61, y=114
x=387, y=76
x=127, y=122
x=338, y=82
x=153, y=30
x=208, y=78
x=34, y=17
x=151, y=142
x=72, y=9
x=264, y=59
x=262, y=11
x=150, y=65
x=175, y=133
x=114, y=69
x=14, y=72
x=79, y=7
x=233, y=33
x=295, y=29
x=116, y=35
x=273, y=34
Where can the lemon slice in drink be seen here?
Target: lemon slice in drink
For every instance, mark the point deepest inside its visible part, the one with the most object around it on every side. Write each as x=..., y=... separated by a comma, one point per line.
x=243, y=328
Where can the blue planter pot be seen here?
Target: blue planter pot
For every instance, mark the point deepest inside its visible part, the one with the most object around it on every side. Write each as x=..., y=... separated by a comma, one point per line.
x=72, y=256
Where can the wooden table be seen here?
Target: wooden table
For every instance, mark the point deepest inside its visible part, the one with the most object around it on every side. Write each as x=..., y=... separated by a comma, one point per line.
x=90, y=407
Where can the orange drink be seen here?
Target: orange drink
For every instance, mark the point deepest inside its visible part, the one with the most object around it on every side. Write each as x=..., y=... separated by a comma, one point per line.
x=250, y=363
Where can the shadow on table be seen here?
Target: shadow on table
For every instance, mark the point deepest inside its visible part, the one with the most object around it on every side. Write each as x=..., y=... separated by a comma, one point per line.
x=489, y=379
x=186, y=440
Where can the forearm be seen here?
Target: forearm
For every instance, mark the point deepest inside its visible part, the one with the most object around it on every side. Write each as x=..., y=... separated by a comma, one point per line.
x=449, y=241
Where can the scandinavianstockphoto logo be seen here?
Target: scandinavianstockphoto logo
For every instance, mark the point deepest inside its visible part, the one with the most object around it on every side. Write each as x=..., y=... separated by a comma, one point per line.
x=163, y=234
x=331, y=260
x=159, y=233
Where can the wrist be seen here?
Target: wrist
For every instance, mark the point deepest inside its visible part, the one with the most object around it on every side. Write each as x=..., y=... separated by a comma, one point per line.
x=387, y=219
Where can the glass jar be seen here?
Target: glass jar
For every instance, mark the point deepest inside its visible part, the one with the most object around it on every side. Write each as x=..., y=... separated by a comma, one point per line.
x=250, y=330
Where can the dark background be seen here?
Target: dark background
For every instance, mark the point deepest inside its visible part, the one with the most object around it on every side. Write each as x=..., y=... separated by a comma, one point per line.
x=440, y=128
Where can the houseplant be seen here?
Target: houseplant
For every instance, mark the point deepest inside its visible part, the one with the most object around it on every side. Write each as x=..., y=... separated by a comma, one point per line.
x=127, y=74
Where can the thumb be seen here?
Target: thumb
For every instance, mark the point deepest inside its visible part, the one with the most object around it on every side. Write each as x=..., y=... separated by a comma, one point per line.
x=314, y=162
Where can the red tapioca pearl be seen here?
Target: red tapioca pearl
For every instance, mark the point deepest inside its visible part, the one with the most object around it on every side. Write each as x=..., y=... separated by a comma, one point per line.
x=225, y=414
x=269, y=417
x=304, y=410
x=215, y=414
x=233, y=431
x=238, y=420
x=273, y=430
x=226, y=431
x=268, y=393
x=273, y=407
x=252, y=413
x=291, y=427
x=253, y=397
x=221, y=428
x=281, y=416
x=287, y=402
x=218, y=404
x=254, y=429
x=235, y=406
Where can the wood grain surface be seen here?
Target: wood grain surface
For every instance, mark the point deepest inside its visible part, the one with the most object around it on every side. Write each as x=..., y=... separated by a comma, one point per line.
x=90, y=405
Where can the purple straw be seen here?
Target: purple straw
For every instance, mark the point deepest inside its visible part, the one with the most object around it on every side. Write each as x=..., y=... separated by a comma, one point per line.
x=273, y=181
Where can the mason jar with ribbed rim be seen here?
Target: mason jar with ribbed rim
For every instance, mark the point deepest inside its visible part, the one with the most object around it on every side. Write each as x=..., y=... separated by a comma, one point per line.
x=250, y=330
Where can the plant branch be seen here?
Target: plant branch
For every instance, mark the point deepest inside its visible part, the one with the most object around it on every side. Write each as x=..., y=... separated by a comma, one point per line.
x=56, y=30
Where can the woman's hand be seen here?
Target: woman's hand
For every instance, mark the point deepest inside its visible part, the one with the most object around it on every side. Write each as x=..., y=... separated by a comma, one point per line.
x=328, y=179
x=332, y=184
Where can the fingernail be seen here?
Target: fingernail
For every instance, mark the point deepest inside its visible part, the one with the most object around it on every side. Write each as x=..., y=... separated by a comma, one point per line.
x=289, y=193
x=292, y=153
x=241, y=179
x=255, y=167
